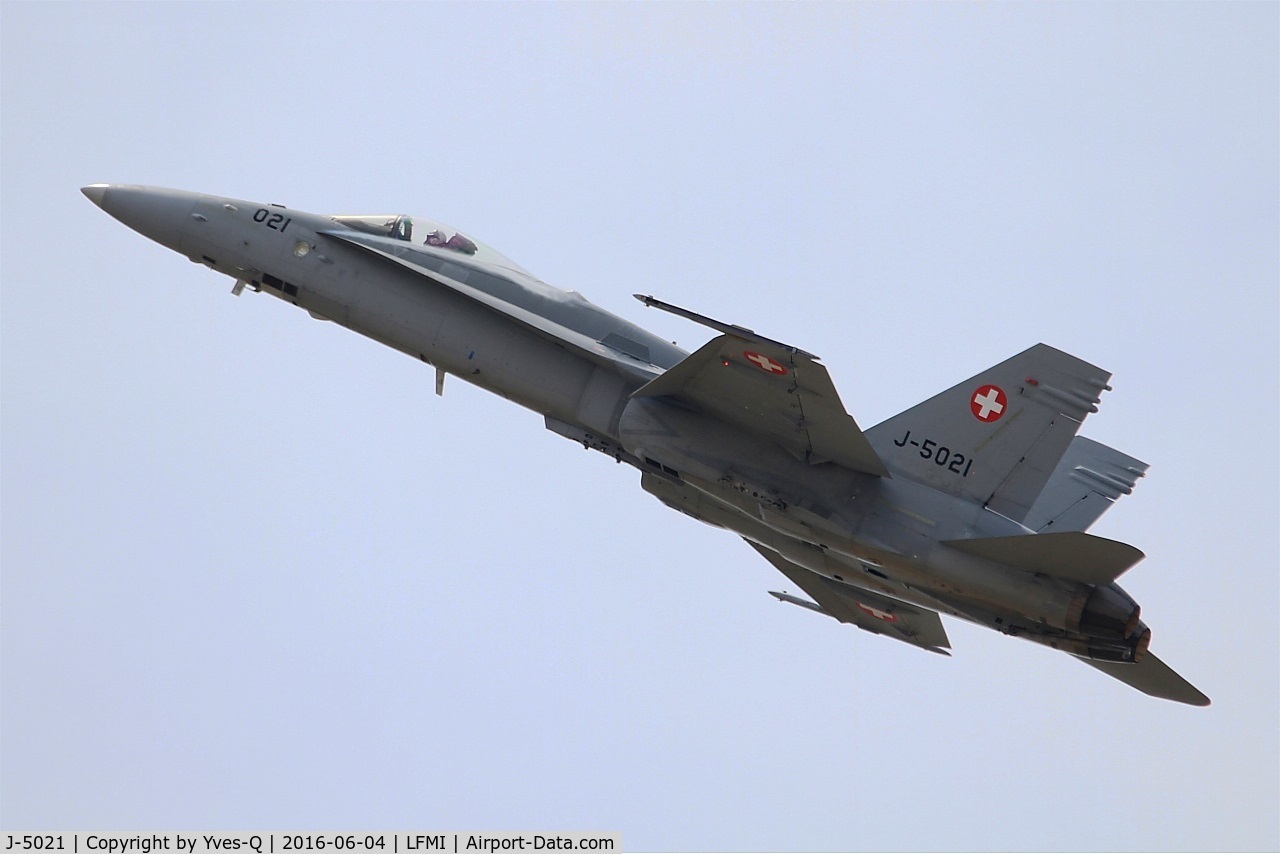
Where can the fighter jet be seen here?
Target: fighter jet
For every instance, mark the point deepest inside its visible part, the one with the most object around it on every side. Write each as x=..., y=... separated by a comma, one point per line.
x=974, y=504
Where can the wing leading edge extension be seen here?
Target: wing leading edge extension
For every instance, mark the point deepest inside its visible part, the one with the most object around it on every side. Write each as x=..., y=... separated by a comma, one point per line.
x=767, y=388
x=612, y=351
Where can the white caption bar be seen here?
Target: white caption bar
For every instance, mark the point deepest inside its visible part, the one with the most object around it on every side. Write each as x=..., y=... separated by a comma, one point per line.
x=275, y=842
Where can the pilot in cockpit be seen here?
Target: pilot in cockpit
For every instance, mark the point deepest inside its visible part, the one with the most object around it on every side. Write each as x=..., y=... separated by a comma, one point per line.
x=457, y=242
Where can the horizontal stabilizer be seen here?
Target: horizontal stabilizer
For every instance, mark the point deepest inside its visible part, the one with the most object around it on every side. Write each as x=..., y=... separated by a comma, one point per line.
x=1152, y=676
x=1067, y=554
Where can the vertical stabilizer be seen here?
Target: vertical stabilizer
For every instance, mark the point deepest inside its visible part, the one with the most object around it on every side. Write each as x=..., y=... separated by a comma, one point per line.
x=996, y=437
x=1088, y=480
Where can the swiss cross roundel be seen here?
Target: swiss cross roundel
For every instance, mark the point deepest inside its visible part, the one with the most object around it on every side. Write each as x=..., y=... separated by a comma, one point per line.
x=764, y=363
x=988, y=403
x=877, y=613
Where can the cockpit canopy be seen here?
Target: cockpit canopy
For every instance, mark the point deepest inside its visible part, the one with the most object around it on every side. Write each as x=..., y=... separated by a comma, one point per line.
x=426, y=232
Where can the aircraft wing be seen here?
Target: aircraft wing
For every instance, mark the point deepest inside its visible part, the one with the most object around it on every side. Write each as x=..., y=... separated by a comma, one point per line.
x=1152, y=676
x=769, y=389
x=874, y=612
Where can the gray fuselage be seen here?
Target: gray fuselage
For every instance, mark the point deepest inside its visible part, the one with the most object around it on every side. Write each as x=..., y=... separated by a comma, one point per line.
x=875, y=533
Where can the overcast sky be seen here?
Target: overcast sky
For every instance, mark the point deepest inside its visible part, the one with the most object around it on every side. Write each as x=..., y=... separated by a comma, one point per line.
x=256, y=575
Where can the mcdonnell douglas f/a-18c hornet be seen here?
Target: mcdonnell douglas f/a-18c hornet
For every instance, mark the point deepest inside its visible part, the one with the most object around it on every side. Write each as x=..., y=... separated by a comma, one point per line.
x=974, y=503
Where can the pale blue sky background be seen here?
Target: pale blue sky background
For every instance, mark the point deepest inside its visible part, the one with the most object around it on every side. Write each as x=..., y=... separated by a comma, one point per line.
x=255, y=575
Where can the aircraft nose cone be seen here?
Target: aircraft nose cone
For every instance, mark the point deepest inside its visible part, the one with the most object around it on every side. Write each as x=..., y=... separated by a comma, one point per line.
x=153, y=212
x=94, y=193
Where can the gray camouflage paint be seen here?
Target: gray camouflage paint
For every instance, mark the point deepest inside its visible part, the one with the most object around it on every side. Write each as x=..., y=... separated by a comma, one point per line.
x=747, y=434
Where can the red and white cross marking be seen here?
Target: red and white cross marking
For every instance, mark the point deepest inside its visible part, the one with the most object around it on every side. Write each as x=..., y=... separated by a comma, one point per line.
x=988, y=403
x=764, y=363
x=878, y=614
